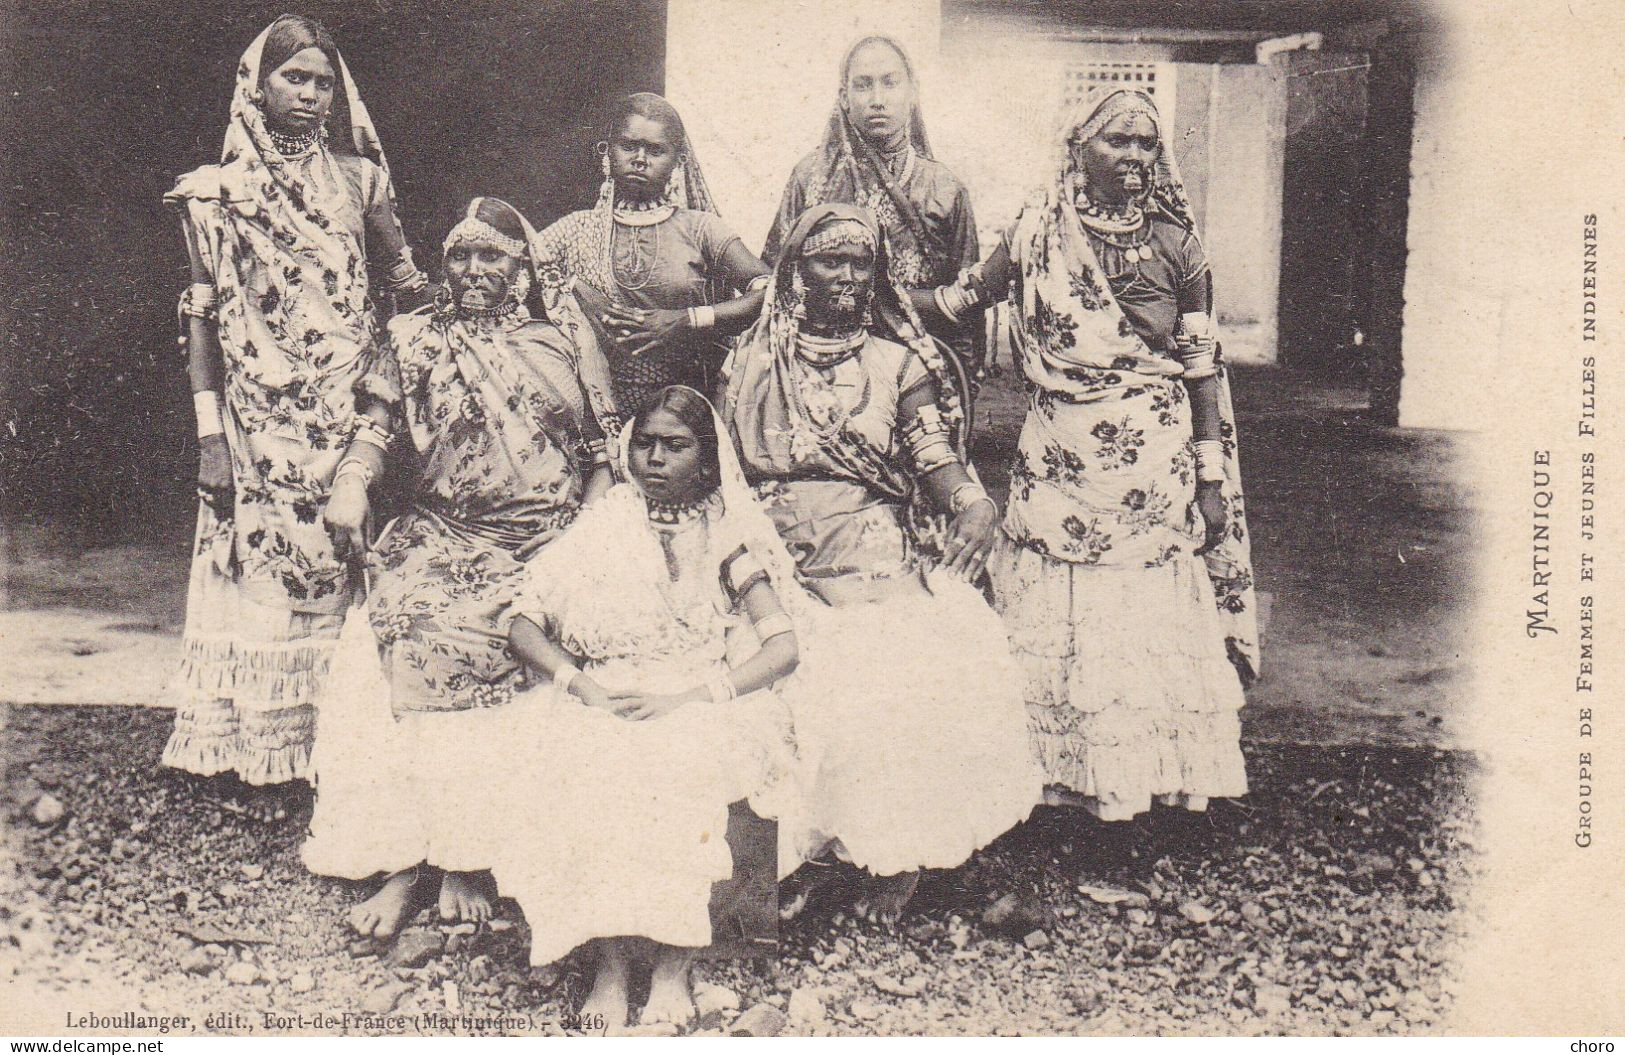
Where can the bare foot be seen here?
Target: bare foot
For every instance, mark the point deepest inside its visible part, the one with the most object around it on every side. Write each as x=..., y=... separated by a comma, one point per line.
x=604, y=1010
x=381, y=915
x=671, y=999
x=466, y=896
x=886, y=898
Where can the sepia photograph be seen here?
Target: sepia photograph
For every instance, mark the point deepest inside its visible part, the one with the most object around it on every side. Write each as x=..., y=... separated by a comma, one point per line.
x=786, y=518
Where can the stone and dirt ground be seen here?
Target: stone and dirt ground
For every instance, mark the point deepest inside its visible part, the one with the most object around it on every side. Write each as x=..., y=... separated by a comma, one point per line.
x=1333, y=898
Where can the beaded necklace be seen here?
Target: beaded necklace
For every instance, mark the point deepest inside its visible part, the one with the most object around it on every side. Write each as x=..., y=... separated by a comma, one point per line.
x=1128, y=231
x=291, y=147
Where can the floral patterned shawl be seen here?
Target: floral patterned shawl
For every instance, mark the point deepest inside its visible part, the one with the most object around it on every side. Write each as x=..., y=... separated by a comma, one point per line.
x=1076, y=345
x=283, y=240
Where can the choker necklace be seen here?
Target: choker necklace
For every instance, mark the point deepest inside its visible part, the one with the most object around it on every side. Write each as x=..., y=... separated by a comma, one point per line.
x=508, y=307
x=676, y=513
x=644, y=213
x=1128, y=231
x=293, y=146
x=826, y=352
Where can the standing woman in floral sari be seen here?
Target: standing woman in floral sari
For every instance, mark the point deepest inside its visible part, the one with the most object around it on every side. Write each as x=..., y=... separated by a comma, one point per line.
x=278, y=326
x=1122, y=567
x=505, y=409
x=652, y=262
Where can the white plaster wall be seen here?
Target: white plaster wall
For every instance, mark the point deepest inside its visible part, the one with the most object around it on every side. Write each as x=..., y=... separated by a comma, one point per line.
x=1453, y=285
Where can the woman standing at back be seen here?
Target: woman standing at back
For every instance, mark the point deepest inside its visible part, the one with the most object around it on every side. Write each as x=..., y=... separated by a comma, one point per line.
x=278, y=325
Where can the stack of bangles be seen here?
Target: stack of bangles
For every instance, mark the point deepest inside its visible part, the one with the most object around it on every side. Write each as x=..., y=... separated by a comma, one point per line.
x=966, y=294
x=702, y=318
x=1210, y=461
x=928, y=440
x=968, y=494
x=1199, y=355
x=372, y=434
x=197, y=301
x=405, y=276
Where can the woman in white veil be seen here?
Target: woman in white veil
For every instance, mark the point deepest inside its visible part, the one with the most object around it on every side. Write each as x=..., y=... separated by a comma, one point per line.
x=663, y=619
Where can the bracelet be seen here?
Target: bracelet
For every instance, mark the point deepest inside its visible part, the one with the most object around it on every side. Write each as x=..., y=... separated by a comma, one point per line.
x=405, y=276
x=210, y=421
x=759, y=282
x=564, y=676
x=702, y=318
x=721, y=688
x=199, y=301
x=773, y=625
x=350, y=465
x=1210, y=461
x=966, y=495
x=940, y=295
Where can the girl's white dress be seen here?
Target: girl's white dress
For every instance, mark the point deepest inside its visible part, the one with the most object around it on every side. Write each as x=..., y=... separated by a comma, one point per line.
x=613, y=827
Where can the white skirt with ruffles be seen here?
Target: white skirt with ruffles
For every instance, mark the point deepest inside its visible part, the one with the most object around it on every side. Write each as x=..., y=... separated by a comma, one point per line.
x=1130, y=696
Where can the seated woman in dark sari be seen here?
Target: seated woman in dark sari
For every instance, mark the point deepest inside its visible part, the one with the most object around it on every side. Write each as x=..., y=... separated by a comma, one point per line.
x=506, y=411
x=908, y=719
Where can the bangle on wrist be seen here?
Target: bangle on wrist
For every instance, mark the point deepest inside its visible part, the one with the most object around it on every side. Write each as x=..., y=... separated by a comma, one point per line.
x=702, y=318
x=564, y=676
x=1209, y=461
x=721, y=688
x=350, y=465
x=210, y=420
x=966, y=495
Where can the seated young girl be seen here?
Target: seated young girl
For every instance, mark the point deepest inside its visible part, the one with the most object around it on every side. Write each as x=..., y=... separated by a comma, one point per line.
x=660, y=619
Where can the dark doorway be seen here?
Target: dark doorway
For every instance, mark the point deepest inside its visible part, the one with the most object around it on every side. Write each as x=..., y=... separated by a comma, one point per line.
x=1320, y=185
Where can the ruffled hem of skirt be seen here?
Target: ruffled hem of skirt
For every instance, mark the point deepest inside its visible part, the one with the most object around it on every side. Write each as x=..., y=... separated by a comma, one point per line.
x=261, y=747
x=1131, y=697
x=272, y=676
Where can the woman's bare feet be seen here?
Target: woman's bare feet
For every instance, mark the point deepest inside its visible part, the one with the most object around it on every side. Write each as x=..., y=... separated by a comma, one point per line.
x=382, y=915
x=671, y=998
x=605, y=1009
x=887, y=896
x=467, y=896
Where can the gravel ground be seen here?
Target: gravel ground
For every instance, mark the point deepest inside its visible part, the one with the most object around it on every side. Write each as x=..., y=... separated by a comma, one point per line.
x=1328, y=901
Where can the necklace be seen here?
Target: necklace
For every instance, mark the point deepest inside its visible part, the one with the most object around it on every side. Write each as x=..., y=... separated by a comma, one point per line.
x=293, y=146
x=675, y=513
x=643, y=213
x=830, y=417
x=671, y=519
x=509, y=306
x=640, y=267
x=825, y=352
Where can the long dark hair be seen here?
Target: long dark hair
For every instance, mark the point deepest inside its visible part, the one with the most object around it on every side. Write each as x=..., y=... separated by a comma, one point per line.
x=691, y=408
x=291, y=34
